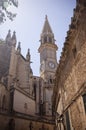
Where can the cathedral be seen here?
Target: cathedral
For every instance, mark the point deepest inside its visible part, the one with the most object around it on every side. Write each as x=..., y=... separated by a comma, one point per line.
x=25, y=99
x=55, y=100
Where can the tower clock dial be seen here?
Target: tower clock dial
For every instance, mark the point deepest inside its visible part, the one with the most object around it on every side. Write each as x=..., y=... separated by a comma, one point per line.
x=51, y=65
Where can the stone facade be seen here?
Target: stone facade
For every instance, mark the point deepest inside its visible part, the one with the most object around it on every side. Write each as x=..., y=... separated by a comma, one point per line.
x=70, y=90
x=24, y=123
x=25, y=99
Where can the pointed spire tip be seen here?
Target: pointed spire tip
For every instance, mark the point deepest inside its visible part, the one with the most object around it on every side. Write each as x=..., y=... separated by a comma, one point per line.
x=19, y=44
x=28, y=50
x=14, y=32
x=45, y=17
x=9, y=31
x=19, y=47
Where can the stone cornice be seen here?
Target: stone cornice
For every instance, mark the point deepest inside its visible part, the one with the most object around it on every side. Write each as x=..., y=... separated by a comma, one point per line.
x=69, y=40
x=47, y=45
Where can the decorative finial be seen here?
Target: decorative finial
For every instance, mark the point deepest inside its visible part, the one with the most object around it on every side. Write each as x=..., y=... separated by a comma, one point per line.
x=8, y=37
x=14, y=38
x=19, y=47
x=14, y=32
x=19, y=44
x=28, y=55
x=28, y=51
x=14, y=35
x=9, y=31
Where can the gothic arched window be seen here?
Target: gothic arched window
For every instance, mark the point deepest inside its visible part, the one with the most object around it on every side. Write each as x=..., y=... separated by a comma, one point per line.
x=84, y=101
x=45, y=39
x=34, y=90
x=50, y=80
x=50, y=39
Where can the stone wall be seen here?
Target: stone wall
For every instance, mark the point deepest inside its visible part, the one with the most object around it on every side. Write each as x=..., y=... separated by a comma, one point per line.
x=23, y=124
x=23, y=103
x=71, y=74
x=4, y=98
x=5, y=53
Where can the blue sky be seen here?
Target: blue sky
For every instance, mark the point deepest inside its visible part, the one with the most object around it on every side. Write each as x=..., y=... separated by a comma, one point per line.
x=30, y=20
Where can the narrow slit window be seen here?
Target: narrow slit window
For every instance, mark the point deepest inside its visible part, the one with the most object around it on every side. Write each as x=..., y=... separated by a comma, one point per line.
x=84, y=100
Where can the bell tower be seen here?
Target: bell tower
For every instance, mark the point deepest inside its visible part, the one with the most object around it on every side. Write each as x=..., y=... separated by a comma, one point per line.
x=47, y=50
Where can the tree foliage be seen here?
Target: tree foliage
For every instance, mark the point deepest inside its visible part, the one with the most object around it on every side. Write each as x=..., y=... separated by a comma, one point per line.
x=4, y=13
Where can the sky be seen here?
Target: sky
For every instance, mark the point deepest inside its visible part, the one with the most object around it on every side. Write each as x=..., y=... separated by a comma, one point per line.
x=29, y=22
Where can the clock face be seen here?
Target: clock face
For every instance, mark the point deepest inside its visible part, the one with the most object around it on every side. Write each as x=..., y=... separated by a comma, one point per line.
x=51, y=65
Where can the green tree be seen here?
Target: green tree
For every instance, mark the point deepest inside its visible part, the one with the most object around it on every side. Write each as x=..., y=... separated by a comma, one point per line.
x=4, y=13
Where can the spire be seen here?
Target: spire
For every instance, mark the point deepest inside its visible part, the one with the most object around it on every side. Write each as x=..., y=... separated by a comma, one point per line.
x=47, y=35
x=46, y=27
x=14, y=38
x=45, y=17
x=28, y=55
x=19, y=47
x=8, y=37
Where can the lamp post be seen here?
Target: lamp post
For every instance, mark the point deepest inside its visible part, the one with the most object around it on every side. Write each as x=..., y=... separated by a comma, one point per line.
x=60, y=122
